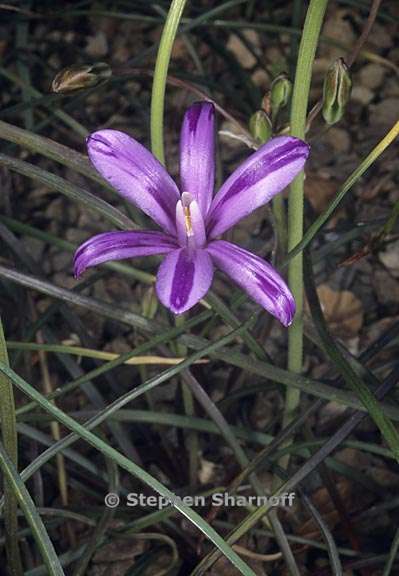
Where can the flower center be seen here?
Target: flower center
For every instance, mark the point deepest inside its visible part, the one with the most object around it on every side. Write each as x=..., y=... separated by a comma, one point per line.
x=186, y=200
x=189, y=222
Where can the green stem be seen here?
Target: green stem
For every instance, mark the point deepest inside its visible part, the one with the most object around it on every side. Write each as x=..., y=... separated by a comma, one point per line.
x=160, y=75
x=280, y=219
x=9, y=435
x=300, y=98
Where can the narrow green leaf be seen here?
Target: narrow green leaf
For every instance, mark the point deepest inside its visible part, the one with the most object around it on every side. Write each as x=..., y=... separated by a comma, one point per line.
x=9, y=436
x=130, y=466
x=53, y=150
x=375, y=410
x=350, y=181
x=32, y=517
x=73, y=192
x=253, y=366
x=392, y=555
x=96, y=306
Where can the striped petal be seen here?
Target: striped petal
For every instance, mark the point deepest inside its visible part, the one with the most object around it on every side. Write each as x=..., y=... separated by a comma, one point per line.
x=184, y=277
x=118, y=246
x=256, y=277
x=263, y=175
x=197, y=153
x=136, y=174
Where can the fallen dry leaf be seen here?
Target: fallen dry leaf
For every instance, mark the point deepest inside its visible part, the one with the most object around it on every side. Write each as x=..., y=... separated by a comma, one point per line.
x=322, y=500
x=319, y=191
x=343, y=311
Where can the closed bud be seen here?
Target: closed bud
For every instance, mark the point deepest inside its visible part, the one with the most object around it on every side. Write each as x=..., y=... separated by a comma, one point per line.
x=280, y=92
x=149, y=303
x=80, y=76
x=336, y=91
x=260, y=126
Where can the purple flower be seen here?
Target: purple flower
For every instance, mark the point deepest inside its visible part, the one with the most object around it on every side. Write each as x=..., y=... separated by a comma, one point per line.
x=192, y=220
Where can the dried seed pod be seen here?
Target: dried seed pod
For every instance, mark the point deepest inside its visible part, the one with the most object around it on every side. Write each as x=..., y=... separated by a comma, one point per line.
x=336, y=91
x=80, y=76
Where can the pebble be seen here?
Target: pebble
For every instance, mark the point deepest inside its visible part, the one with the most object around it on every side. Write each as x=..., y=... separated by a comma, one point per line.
x=97, y=45
x=241, y=52
x=372, y=76
x=385, y=112
x=362, y=94
x=339, y=139
x=390, y=258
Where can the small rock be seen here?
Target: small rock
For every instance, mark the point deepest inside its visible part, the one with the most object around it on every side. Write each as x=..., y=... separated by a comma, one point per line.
x=76, y=235
x=261, y=78
x=61, y=261
x=338, y=27
x=383, y=476
x=319, y=191
x=329, y=412
x=253, y=38
x=391, y=87
x=206, y=472
x=385, y=113
x=372, y=76
x=118, y=346
x=55, y=209
x=380, y=37
x=241, y=52
x=97, y=45
x=339, y=139
x=376, y=329
x=119, y=550
x=179, y=49
x=362, y=95
x=34, y=247
x=64, y=280
x=390, y=258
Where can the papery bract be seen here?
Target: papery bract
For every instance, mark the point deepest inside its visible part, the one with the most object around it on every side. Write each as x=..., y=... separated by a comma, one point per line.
x=192, y=219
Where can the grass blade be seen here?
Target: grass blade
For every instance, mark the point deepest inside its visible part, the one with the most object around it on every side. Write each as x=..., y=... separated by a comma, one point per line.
x=385, y=425
x=73, y=192
x=9, y=436
x=28, y=506
x=130, y=466
x=253, y=366
x=353, y=178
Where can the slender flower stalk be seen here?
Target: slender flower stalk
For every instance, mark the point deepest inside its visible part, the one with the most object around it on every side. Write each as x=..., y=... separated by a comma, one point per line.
x=192, y=219
x=160, y=74
x=300, y=97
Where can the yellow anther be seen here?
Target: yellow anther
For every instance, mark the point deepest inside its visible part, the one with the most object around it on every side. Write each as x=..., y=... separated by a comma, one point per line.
x=187, y=221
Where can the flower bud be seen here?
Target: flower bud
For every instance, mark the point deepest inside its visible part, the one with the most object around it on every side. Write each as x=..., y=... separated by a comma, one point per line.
x=336, y=91
x=80, y=76
x=280, y=92
x=260, y=126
